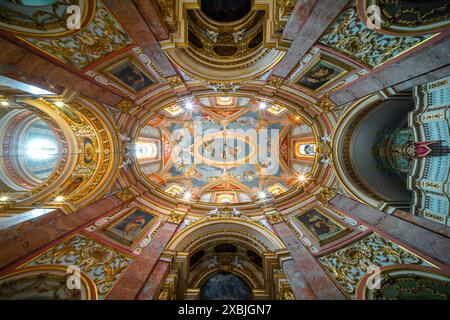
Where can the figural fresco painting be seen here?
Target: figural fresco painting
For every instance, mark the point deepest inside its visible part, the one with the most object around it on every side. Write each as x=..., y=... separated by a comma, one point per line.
x=322, y=72
x=320, y=226
x=129, y=229
x=127, y=73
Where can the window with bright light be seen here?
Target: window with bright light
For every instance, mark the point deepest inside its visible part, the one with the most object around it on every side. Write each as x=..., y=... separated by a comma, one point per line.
x=146, y=150
x=41, y=149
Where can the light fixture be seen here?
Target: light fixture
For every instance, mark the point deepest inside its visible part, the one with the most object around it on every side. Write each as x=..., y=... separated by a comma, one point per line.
x=301, y=178
x=187, y=196
x=189, y=105
x=262, y=195
x=4, y=103
x=59, y=199
x=59, y=103
x=4, y=198
x=262, y=105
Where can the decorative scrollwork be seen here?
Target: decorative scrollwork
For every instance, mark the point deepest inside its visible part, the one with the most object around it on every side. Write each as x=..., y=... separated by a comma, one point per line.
x=102, y=264
x=103, y=36
x=349, y=264
x=350, y=35
x=42, y=284
x=275, y=218
x=126, y=194
x=175, y=218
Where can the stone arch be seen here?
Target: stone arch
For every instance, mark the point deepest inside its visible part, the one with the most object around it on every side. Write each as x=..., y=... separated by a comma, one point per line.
x=358, y=128
x=89, y=153
x=243, y=233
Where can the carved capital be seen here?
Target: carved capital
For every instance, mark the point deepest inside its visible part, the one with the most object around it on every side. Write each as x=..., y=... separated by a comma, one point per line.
x=125, y=106
x=275, y=82
x=275, y=218
x=175, y=82
x=167, y=292
x=325, y=194
x=127, y=194
x=175, y=218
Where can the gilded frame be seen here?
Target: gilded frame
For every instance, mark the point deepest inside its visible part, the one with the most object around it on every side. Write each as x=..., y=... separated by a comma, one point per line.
x=120, y=238
x=322, y=57
x=345, y=229
x=107, y=71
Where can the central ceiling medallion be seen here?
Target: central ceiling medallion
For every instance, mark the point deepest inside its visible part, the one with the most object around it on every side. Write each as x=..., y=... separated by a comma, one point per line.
x=225, y=149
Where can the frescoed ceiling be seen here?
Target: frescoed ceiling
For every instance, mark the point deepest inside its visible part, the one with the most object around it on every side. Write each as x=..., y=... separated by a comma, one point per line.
x=225, y=149
x=101, y=37
x=223, y=60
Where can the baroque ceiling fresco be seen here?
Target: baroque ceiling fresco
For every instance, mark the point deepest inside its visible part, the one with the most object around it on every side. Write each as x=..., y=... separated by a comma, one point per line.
x=225, y=149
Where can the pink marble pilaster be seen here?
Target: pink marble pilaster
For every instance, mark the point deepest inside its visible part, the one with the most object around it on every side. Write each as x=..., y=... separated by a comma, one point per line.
x=140, y=271
x=307, y=278
x=23, y=65
x=24, y=238
x=431, y=244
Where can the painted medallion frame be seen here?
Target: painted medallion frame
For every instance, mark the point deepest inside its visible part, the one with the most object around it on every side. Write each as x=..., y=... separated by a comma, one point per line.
x=117, y=229
x=341, y=229
x=326, y=63
x=118, y=69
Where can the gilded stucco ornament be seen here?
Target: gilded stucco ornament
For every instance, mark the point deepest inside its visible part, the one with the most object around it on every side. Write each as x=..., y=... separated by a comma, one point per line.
x=125, y=106
x=102, y=264
x=348, y=265
x=325, y=104
x=275, y=82
x=325, y=194
x=283, y=290
x=175, y=82
x=175, y=218
x=351, y=36
x=275, y=218
x=127, y=194
x=84, y=171
x=101, y=37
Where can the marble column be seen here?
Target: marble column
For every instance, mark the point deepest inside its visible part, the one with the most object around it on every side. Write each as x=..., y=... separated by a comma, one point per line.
x=433, y=244
x=141, y=279
x=307, y=279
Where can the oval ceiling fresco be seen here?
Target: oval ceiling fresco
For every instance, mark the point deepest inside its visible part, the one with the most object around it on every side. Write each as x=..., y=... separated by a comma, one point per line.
x=225, y=150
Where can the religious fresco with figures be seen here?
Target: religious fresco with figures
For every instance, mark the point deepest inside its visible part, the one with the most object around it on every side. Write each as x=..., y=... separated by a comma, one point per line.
x=226, y=150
